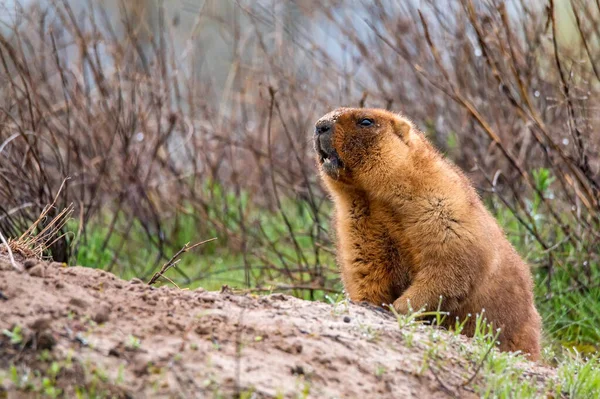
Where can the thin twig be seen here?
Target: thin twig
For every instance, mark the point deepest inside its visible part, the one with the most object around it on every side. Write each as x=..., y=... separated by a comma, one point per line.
x=238, y=355
x=10, y=254
x=480, y=365
x=173, y=261
x=284, y=287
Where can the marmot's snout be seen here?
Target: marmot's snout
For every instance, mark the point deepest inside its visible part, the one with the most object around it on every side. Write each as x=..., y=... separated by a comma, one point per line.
x=328, y=156
x=323, y=126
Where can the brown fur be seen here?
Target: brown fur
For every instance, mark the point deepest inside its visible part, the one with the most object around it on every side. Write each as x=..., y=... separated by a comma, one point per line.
x=411, y=228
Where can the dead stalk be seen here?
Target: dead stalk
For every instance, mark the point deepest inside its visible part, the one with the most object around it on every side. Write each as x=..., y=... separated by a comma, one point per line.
x=174, y=260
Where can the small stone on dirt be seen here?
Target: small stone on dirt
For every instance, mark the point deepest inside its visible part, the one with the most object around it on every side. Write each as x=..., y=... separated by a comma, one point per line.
x=140, y=365
x=203, y=330
x=3, y=297
x=80, y=303
x=115, y=351
x=37, y=271
x=29, y=263
x=347, y=319
x=45, y=340
x=102, y=314
x=41, y=324
x=81, y=339
x=295, y=348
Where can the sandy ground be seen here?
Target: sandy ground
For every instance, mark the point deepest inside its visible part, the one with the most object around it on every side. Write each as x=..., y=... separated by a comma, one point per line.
x=98, y=334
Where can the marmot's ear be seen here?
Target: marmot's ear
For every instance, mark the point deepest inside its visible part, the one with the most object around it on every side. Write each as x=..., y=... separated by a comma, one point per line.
x=402, y=128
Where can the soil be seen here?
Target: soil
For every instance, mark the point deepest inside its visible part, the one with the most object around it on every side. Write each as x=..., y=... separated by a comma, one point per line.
x=94, y=333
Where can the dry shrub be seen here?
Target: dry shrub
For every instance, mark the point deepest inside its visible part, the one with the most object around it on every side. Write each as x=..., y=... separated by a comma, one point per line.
x=149, y=135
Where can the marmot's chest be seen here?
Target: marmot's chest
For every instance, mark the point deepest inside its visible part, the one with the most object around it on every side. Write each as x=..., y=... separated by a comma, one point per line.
x=374, y=262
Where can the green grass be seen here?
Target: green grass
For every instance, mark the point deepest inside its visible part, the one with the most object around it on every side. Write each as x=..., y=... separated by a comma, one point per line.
x=211, y=266
x=502, y=376
x=492, y=374
x=273, y=255
x=580, y=378
x=571, y=313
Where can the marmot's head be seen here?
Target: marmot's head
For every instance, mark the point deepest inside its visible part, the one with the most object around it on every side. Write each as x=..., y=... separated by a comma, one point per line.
x=354, y=143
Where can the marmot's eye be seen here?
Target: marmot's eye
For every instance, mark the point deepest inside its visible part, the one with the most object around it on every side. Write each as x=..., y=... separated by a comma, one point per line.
x=366, y=122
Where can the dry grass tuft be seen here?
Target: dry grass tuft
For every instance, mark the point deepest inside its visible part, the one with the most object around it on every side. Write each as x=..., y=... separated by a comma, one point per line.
x=43, y=233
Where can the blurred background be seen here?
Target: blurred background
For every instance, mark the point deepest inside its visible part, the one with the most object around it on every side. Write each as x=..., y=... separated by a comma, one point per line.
x=146, y=125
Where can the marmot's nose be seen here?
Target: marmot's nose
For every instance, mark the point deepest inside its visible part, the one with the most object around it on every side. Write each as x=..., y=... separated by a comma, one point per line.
x=323, y=127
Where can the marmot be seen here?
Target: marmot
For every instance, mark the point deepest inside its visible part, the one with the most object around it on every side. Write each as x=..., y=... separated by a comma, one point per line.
x=411, y=228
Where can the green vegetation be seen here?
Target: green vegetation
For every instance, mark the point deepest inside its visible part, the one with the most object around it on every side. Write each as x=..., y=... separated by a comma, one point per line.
x=15, y=335
x=580, y=378
x=133, y=343
x=568, y=300
x=494, y=374
x=43, y=381
x=273, y=256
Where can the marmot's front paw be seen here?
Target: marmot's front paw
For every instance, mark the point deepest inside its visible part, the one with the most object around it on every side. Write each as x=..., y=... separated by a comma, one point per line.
x=402, y=305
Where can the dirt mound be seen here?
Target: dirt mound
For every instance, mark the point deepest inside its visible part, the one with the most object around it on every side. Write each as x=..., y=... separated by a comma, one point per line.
x=75, y=329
